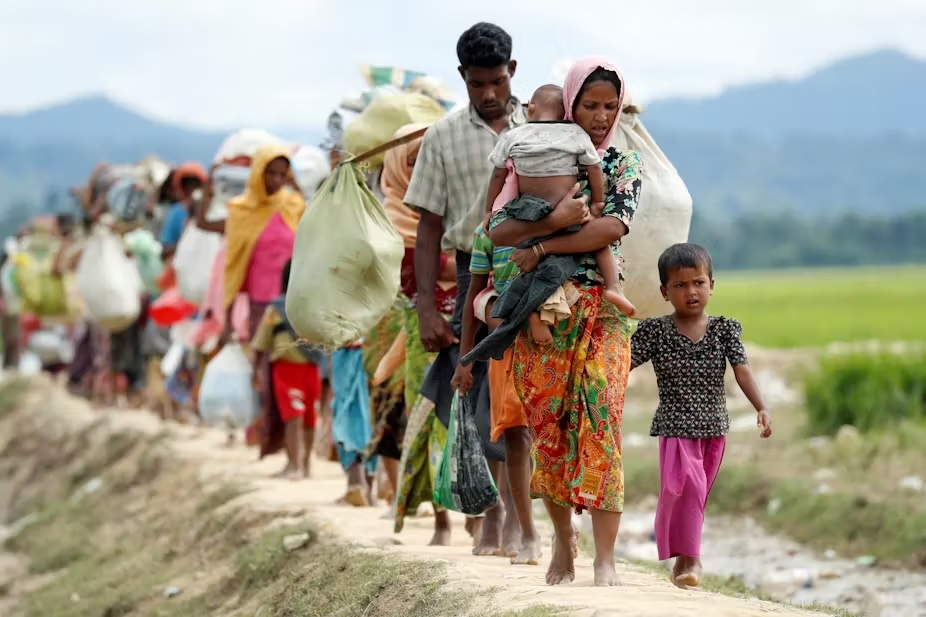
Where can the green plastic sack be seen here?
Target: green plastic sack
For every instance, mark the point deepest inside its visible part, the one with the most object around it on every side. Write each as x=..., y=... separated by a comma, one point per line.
x=347, y=259
x=42, y=292
x=464, y=482
x=383, y=117
x=147, y=253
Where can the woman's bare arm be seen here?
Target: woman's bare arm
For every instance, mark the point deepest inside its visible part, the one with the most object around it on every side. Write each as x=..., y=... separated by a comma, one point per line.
x=594, y=235
x=568, y=212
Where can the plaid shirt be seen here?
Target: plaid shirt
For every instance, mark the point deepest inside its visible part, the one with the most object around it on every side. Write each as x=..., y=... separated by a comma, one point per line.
x=451, y=177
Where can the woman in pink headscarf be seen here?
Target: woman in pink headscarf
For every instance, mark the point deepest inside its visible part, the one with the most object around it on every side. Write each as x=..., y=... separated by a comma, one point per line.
x=573, y=390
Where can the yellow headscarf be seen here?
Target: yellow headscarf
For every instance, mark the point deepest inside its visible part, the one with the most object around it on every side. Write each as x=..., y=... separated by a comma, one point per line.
x=249, y=214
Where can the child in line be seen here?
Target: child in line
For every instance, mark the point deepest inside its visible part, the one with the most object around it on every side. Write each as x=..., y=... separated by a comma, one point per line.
x=296, y=385
x=689, y=350
x=491, y=271
x=545, y=155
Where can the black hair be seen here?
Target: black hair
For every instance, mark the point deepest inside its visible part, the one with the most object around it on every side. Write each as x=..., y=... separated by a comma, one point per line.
x=190, y=184
x=164, y=191
x=484, y=46
x=284, y=286
x=599, y=74
x=684, y=255
x=548, y=94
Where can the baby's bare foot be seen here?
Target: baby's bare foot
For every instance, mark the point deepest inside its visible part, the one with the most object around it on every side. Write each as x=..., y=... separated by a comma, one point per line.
x=540, y=332
x=618, y=299
x=562, y=565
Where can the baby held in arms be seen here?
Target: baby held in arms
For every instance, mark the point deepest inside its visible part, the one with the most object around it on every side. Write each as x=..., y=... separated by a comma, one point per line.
x=546, y=154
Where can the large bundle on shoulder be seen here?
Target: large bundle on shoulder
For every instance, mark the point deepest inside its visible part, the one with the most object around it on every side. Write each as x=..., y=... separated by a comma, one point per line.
x=384, y=116
x=40, y=290
x=346, y=262
x=663, y=216
x=127, y=187
x=108, y=281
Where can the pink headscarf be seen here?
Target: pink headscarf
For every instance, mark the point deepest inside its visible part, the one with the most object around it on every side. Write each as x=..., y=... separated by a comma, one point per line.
x=575, y=79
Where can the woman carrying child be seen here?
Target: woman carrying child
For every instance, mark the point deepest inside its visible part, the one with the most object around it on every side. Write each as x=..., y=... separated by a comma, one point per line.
x=689, y=350
x=573, y=389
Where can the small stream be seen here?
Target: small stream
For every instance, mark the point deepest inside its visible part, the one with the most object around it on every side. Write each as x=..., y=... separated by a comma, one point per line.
x=785, y=570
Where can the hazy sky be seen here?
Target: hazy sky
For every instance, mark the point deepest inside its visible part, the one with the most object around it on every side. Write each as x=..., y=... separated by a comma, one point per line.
x=227, y=63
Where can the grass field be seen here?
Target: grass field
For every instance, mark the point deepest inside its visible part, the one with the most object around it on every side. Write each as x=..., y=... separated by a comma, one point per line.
x=815, y=307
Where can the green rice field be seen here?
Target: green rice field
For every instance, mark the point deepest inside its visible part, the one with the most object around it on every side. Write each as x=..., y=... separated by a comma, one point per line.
x=815, y=307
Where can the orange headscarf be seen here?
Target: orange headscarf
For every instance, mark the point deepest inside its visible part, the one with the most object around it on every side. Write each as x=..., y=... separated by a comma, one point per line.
x=189, y=170
x=396, y=176
x=249, y=214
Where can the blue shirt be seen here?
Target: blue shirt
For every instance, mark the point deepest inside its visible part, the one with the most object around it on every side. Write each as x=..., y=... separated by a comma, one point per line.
x=173, y=226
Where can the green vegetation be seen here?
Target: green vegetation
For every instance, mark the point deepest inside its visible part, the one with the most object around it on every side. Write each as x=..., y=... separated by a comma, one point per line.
x=11, y=394
x=759, y=237
x=138, y=545
x=815, y=307
x=868, y=391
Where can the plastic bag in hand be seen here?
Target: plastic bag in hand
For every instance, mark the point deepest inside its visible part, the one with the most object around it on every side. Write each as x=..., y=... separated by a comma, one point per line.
x=464, y=482
x=226, y=398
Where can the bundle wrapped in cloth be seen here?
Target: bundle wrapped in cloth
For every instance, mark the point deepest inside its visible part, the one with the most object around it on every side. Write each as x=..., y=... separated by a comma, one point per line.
x=383, y=117
x=663, y=216
x=346, y=262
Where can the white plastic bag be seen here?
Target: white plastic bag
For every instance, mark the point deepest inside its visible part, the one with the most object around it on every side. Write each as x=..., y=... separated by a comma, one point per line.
x=226, y=398
x=196, y=251
x=346, y=263
x=663, y=218
x=108, y=282
x=51, y=346
x=228, y=181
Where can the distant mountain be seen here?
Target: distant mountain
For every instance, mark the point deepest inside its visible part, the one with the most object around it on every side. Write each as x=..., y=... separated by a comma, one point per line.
x=864, y=96
x=849, y=137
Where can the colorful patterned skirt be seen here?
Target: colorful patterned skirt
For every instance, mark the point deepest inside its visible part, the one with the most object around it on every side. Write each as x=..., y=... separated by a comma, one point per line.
x=573, y=395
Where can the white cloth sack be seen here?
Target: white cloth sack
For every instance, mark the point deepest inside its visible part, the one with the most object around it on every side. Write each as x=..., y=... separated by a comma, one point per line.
x=193, y=260
x=346, y=263
x=245, y=143
x=107, y=282
x=663, y=218
x=310, y=167
x=226, y=398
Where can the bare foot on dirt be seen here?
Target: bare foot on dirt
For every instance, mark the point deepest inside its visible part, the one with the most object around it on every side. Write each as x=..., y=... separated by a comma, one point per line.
x=562, y=564
x=540, y=332
x=511, y=536
x=355, y=497
x=473, y=527
x=606, y=574
x=290, y=472
x=689, y=573
x=529, y=553
x=618, y=299
x=490, y=542
x=441, y=537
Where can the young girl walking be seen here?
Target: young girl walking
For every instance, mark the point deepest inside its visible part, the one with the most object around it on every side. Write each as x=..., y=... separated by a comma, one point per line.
x=689, y=350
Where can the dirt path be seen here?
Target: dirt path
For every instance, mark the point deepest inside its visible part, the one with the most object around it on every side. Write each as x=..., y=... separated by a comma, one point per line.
x=643, y=593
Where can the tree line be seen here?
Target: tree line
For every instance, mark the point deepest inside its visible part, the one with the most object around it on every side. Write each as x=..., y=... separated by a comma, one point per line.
x=788, y=239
